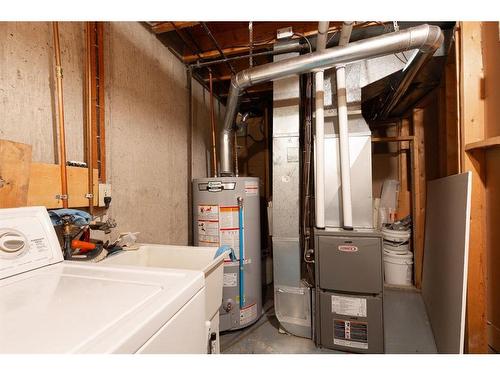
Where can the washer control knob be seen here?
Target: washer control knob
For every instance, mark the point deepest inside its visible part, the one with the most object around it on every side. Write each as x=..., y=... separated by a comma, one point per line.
x=11, y=242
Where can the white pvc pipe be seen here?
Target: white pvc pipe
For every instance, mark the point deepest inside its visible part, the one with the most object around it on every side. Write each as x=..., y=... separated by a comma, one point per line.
x=345, y=167
x=320, y=151
x=320, y=131
x=345, y=164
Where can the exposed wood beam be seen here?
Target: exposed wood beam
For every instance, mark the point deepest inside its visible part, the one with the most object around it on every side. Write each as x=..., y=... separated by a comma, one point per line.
x=225, y=77
x=228, y=51
x=165, y=27
x=254, y=90
x=472, y=124
x=402, y=138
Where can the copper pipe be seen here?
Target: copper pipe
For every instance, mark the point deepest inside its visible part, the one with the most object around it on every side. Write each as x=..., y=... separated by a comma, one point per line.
x=214, y=125
x=60, y=111
x=88, y=118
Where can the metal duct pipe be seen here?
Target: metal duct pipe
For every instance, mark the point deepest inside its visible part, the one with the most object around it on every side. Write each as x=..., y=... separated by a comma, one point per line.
x=213, y=126
x=345, y=164
x=426, y=38
x=416, y=62
x=320, y=130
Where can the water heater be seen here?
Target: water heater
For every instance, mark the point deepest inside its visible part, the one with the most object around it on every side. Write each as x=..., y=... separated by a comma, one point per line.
x=226, y=211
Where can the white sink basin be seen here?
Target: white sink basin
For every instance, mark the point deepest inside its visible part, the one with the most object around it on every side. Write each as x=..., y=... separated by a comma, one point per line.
x=181, y=257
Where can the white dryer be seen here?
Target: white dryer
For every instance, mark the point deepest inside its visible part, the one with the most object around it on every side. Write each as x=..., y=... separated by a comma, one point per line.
x=51, y=306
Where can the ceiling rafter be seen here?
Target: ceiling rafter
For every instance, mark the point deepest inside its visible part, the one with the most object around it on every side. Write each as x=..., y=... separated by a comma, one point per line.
x=165, y=27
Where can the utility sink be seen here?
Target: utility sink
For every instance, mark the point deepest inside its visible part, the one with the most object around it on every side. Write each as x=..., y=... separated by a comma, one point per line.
x=185, y=258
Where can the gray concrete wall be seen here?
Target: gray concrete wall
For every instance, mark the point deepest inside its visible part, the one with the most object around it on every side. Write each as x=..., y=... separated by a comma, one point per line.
x=27, y=102
x=146, y=118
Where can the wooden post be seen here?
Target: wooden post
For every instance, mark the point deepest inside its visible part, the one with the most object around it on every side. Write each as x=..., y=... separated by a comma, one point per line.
x=404, y=197
x=472, y=130
x=419, y=185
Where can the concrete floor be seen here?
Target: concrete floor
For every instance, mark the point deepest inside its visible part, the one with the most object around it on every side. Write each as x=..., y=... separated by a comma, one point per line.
x=407, y=330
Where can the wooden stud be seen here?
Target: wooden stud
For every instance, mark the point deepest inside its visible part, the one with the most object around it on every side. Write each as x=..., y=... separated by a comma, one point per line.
x=419, y=185
x=452, y=122
x=472, y=130
x=404, y=196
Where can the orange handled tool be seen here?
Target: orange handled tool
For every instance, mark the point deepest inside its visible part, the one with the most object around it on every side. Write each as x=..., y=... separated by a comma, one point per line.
x=82, y=245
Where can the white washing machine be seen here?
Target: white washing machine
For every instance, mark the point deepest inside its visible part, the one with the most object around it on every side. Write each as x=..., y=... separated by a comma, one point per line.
x=51, y=306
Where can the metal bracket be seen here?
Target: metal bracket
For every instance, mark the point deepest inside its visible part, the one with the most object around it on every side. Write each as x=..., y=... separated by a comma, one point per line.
x=89, y=195
x=395, y=25
x=284, y=33
x=59, y=71
x=61, y=197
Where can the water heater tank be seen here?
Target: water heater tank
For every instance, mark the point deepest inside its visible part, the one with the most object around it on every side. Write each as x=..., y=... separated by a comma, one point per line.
x=217, y=202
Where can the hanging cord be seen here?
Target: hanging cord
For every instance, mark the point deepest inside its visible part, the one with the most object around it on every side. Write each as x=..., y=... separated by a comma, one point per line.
x=305, y=38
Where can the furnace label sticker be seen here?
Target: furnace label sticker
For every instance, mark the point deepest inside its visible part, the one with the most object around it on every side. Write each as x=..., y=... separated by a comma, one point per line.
x=208, y=225
x=352, y=334
x=251, y=189
x=230, y=279
x=248, y=313
x=349, y=306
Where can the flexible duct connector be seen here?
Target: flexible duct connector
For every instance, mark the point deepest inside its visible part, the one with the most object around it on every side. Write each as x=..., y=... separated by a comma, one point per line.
x=426, y=38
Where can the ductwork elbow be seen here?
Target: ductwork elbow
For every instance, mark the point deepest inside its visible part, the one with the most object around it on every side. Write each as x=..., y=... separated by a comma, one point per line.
x=434, y=38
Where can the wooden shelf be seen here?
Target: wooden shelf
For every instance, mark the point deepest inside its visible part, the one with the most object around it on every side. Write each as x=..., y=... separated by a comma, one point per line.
x=486, y=143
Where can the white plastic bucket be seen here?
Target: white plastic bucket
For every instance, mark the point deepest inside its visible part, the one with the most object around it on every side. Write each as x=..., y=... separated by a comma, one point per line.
x=396, y=235
x=396, y=247
x=398, y=268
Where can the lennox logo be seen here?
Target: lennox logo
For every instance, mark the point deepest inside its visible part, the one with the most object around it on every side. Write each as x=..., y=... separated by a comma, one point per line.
x=348, y=248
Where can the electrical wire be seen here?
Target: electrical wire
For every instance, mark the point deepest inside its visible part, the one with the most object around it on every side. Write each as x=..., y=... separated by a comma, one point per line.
x=400, y=59
x=307, y=40
x=333, y=36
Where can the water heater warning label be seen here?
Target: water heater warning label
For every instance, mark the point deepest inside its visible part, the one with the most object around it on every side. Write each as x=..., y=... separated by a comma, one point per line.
x=230, y=279
x=248, y=314
x=251, y=188
x=229, y=228
x=208, y=225
x=349, y=306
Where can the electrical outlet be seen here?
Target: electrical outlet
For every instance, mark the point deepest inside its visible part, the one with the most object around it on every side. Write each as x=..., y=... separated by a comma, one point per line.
x=104, y=191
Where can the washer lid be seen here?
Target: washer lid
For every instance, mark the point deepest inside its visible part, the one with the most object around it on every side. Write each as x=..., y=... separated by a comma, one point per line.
x=27, y=240
x=73, y=308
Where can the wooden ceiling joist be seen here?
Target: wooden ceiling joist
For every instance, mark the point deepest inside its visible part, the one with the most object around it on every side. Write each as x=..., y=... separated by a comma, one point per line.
x=230, y=51
x=266, y=87
x=165, y=27
x=221, y=78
